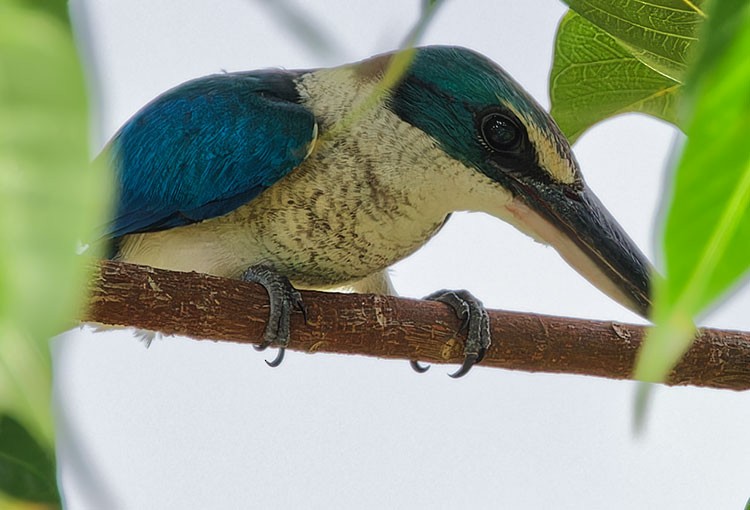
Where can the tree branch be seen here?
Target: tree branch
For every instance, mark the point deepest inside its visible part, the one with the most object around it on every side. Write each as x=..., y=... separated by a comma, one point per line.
x=207, y=307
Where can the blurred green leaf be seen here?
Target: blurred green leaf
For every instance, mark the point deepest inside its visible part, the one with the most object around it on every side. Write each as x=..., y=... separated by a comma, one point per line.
x=429, y=9
x=396, y=69
x=660, y=33
x=706, y=243
x=27, y=470
x=302, y=26
x=55, y=8
x=594, y=77
x=50, y=197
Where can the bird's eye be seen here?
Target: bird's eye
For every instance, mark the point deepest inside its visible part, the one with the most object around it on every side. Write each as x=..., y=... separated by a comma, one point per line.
x=501, y=132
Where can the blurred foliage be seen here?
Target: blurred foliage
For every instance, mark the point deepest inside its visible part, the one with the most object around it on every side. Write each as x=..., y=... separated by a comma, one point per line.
x=50, y=198
x=302, y=27
x=28, y=470
x=54, y=8
x=397, y=67
x=706, y=233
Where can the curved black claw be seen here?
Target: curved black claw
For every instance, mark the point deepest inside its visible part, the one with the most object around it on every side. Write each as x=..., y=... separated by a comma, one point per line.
x=278, y=359
x=418, y=367
x=279, y=355
x=282, y=297
x=474, y=319
x=469, y=361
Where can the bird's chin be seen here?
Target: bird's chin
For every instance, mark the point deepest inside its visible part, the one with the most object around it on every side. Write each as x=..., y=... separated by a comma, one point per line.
x=542, y=230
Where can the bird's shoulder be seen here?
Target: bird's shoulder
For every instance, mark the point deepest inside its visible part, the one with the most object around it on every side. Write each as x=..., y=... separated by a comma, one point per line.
x=206, y=147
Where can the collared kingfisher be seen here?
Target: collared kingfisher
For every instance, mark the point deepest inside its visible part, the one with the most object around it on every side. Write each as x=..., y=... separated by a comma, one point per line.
x=283, y=178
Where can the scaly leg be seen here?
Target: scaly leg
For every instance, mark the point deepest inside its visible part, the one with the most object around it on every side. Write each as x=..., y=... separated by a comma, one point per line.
x=474, y=319
x=282, y=297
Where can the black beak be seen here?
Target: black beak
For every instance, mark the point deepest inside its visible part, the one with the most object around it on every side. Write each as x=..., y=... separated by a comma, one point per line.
x=592, y=241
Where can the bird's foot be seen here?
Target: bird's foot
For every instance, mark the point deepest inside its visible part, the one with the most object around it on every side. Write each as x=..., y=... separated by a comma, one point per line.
x=282, y=297
x=474, y=319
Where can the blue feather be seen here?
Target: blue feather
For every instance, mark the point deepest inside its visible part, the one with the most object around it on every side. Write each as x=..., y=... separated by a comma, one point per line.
x=205, y=148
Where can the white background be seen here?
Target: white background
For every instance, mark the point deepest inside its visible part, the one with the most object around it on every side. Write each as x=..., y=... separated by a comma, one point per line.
x=189, y=424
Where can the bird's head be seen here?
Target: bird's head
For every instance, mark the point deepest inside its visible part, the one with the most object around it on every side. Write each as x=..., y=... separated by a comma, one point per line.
x=481, y=118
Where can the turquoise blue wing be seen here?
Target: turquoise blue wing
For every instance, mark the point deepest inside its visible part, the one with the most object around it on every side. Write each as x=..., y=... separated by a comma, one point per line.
x=205, y=148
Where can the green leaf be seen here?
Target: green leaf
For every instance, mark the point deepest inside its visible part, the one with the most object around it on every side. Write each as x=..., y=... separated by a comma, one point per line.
x=660, y=33
x=27, y=470
x=594, y=77
x=706, y=241
x=50, y=197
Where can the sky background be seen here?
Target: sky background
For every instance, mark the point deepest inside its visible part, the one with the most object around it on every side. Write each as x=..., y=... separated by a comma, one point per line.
x=188, y=424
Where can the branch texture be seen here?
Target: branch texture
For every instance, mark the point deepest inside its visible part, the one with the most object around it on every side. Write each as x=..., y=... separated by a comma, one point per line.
x=208, y=307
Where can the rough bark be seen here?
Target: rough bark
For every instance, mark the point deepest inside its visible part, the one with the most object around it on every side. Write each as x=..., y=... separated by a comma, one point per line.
x=207, y=307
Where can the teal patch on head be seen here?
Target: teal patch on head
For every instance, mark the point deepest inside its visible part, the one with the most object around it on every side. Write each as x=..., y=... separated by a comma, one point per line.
x=447, y=87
